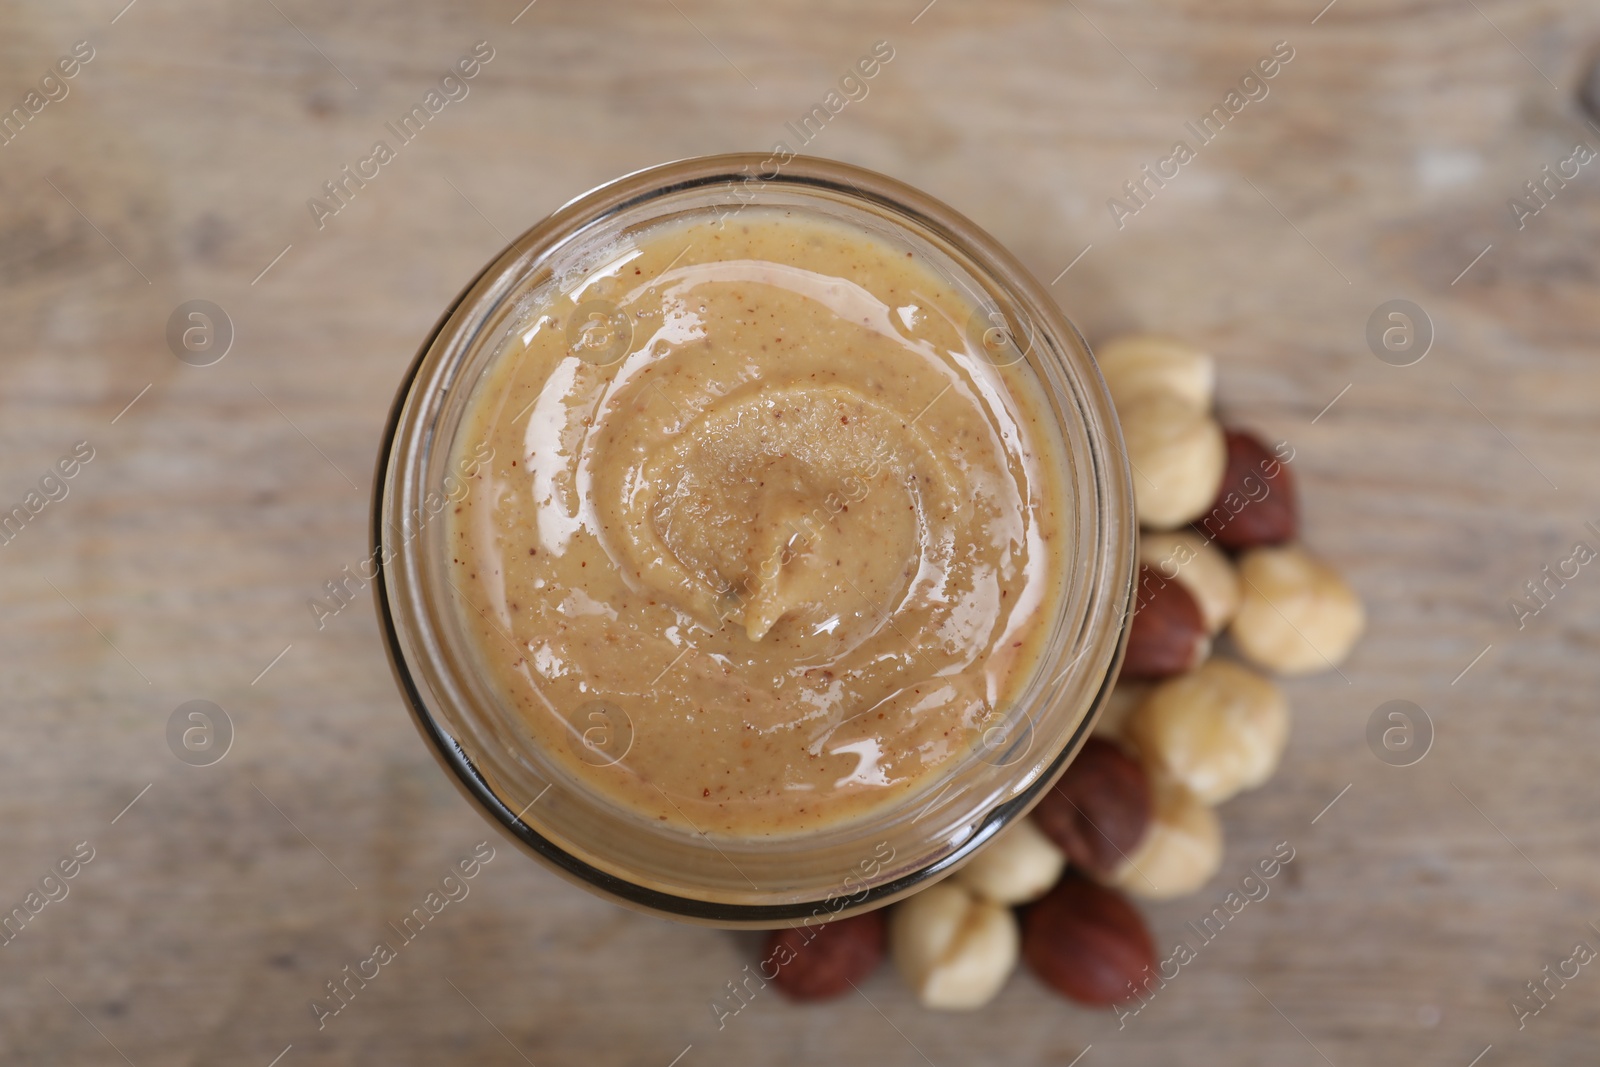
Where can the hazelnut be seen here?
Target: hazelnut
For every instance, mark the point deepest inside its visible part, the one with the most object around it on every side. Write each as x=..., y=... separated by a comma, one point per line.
x=1087, y=942
x=1297, y=615
x=1255, y=503
x=1139, y=366
x=953, y=948
x=1218, y=730
x=1120, y=702
x=1200, y=567
x=1018, y=866
x=1168, y=634
x=1177, y=455
x=814, y=963
x=1099, y=810
x=1181, y=852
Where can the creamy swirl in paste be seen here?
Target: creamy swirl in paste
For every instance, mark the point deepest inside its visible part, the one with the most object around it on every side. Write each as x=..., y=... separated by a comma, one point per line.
x=758, y=502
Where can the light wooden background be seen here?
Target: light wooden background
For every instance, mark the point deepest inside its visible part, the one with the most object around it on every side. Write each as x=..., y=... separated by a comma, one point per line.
x=180, y=564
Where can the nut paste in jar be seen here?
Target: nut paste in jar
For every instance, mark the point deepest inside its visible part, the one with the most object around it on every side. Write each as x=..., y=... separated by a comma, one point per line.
x=769, y=534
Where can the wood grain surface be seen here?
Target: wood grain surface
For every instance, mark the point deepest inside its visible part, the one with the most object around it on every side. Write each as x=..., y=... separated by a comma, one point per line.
x=179, y=564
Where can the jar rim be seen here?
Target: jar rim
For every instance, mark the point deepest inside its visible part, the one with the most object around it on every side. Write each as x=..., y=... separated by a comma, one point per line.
x=437, y=367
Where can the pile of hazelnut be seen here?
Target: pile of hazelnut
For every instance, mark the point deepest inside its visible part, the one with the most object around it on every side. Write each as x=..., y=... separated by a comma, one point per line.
x=1134, y=813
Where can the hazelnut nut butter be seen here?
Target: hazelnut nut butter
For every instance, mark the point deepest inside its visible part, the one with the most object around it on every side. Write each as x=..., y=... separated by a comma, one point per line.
x=754, y=544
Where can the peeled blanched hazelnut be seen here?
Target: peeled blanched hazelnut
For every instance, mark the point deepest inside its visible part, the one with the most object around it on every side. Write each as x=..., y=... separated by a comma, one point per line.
x=1181, y=852
x=1177, y=455
x=1137, y=367
x=1200, y=567
x=1099, y=810
x=1218, y=730
x=1018, y=866
x=1168, y=633
x=1087, y=942
x=953, y=948
x=821, y=962
x=1255, y=504
x=1298, y=615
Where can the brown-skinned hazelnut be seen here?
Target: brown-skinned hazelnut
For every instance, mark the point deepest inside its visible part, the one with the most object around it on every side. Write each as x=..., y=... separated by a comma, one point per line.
x=1099, y=810
x=1087, y=942
x=814, y=963
x=1168, y=634
x=1255, y=504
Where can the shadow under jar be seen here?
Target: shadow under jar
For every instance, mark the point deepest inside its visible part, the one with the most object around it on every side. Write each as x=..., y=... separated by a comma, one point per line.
x=753, y=547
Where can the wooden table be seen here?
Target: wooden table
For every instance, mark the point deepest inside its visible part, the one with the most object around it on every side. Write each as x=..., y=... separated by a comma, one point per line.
x=220, y=498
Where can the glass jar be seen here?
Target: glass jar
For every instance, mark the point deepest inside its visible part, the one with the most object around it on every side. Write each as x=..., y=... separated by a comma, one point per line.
x=831, y=872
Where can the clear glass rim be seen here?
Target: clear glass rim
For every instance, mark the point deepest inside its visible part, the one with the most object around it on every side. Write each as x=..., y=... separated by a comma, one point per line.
x=408, y=434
